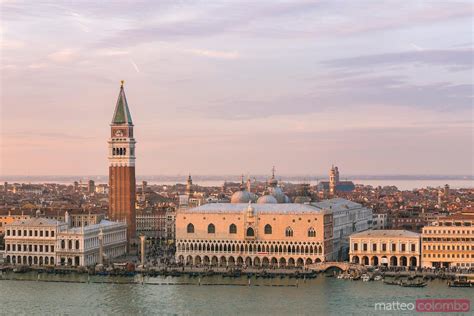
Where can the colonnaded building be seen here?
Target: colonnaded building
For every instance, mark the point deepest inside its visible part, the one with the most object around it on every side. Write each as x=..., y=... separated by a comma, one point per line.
x=393, y=248
x=266, y=233
x=40, y=241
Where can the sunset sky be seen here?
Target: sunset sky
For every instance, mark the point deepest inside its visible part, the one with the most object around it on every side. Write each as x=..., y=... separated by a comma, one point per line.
x=376, y=87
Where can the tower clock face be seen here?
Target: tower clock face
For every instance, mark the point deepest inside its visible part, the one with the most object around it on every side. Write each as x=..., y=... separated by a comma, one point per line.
x=119, y=133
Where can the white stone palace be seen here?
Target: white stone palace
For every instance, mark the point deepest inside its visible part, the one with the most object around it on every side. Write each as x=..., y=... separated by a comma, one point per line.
x=86, y=246
x=41, y=241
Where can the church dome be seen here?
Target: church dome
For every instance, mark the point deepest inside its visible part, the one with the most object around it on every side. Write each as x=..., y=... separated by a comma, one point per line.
x=302, y=199
x=253, y=197
x=267, y=199
x=241, y=197
x=278, y=194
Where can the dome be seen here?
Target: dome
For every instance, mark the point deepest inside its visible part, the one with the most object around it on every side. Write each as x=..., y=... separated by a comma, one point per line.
x=278, y=194
x=272, y=182
x=241, y=197
x=302, y=199
x=267, y=199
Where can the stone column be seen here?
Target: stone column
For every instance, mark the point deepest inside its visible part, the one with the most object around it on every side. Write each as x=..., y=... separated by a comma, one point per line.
x=101, y=247
x=142, y=249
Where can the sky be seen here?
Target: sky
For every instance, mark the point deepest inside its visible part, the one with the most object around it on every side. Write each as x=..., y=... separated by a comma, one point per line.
x=231, y=87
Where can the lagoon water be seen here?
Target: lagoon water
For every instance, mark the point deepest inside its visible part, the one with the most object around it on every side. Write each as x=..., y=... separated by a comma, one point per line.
x=321, y=296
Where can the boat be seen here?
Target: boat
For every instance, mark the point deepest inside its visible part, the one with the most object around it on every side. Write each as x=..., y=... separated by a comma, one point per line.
x=356, y=278
x=365, y=278
x=391, y=282
x=459, y=284
x=378, y=278
x=414, y=284
x=20, y=269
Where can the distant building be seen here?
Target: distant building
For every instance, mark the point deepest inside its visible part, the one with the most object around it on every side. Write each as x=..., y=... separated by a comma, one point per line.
x=409, y=219
x=191, y=198
x=392, y=248
x=35, y=189
x=253, y=234
x=102, y=189
x=380, y=221
x=157, y=223
x=91, y=186
x=449, y=242
x=334, y=184
x=10, y=216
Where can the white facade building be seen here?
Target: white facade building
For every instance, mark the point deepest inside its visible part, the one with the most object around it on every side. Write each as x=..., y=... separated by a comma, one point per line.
x=380, y=221
x=348, y=218
x=83, y=246
x=32, y=241
x=41, y=241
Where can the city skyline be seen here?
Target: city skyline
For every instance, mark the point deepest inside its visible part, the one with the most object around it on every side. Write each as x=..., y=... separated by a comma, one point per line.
x=239, y=87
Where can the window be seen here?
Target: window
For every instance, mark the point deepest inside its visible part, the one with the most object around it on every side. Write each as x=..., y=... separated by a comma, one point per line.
x=232, y=229
x=63, y=244
x=289, y=232
x=384, y=247
x=268, y=229
x=311, y=232
x=52, y=233
x=190, y=228
x=365, y=247
x=404, y=247
x=394, y=247
x=77, y=244
x=69, y=244
x=374, y=247
x=211, y=229
x=250, y=232
x=356, y=246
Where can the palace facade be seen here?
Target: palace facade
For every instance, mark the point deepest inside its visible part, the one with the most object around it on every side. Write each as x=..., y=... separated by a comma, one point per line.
x=253, y=234
x=32, y=241
x=89, y=245
x=40, y=241
x=449, y=242
x=392, y=248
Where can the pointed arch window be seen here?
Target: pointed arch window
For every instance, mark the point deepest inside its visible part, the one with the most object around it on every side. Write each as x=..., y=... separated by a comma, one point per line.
x=211, y=229
x=232, y=229
x=311, y=232
x=250, y=232
x=190, y=228
x=268, y=229
x=289, y=232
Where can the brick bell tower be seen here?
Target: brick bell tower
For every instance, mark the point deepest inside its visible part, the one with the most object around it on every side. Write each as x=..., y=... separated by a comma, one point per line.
x=122, y=167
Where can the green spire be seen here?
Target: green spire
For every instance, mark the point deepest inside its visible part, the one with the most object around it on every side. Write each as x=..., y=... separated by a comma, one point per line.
x=122, y=113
